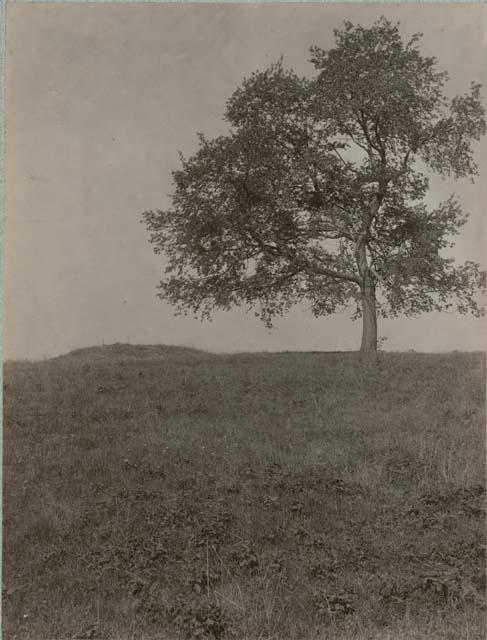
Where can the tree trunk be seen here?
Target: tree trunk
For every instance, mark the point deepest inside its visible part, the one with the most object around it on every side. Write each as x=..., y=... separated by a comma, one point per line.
x=369, y=319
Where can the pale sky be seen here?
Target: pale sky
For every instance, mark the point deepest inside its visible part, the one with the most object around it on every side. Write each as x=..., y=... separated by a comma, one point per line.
x=100, y=99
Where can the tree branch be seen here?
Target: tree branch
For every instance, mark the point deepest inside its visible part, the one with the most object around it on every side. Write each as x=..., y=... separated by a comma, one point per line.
x=380, y=143
x=338, y=275
x=362, y=120
x=303, y=263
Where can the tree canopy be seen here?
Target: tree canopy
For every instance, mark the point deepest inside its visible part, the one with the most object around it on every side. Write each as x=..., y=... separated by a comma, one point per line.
x=317, y=193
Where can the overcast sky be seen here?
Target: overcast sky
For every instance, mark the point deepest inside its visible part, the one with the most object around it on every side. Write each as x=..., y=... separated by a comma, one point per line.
x=100, y=99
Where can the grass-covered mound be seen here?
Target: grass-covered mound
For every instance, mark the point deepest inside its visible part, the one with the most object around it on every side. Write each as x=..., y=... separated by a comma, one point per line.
x=156, y=492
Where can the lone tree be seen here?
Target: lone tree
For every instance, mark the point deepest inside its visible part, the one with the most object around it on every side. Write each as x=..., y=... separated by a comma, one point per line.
x=317, y=192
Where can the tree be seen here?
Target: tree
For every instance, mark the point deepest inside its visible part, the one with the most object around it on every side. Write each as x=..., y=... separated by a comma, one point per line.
x=317, y=192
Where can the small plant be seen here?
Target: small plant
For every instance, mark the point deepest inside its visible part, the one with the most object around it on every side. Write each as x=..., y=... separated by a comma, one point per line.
x=333, y=605
x=443, y=584
x=198, y=619
x=201, y=582
x=244, y=556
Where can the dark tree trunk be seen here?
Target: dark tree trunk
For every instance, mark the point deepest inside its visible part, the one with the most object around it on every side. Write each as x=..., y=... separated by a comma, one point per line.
x=368, y=283
x=369, y=318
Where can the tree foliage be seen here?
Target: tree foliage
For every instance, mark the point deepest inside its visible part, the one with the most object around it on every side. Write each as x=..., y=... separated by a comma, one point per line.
x=317, y=193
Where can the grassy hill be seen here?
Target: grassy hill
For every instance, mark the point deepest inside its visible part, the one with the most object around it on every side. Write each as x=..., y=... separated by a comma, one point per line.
x=160, y=492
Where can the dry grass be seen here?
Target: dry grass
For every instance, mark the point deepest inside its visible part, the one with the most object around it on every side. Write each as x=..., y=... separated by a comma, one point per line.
x=163, y=493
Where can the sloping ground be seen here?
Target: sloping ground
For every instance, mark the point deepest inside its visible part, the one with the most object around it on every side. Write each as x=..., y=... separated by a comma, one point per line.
x=152, y=492
x=125, y=351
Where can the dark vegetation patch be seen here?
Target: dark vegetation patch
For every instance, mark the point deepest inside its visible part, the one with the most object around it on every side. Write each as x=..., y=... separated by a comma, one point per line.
x=179, y=494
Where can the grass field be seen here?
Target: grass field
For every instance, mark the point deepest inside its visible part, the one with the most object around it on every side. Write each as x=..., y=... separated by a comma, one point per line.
x=158, y=492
